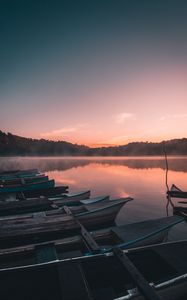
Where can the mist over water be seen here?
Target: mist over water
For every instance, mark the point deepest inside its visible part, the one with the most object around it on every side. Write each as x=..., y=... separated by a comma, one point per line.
x=142, y=178
x=176, y=163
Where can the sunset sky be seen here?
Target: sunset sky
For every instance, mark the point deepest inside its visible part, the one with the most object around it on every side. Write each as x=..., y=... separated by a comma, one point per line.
x=94, y=72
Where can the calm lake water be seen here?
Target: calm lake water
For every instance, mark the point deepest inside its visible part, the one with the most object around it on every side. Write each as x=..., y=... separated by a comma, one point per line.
x=141, y=178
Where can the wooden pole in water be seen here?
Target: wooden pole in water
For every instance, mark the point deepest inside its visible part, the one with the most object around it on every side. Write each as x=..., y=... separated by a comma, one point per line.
x=166, y=178
x=167, y=168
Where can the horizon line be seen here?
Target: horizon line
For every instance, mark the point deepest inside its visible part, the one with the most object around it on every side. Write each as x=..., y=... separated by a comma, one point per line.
x=95, y=145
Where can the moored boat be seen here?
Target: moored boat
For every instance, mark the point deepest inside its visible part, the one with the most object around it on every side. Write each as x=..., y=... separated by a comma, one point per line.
x=10, y=172
x=160, y=268
x=27, y=187
x=45, y=204
x=50, y=191
x=180, y=210
x=176, y=192
x=73, y=196
x=20, y=181
x=125, y=236
x=19, y=174
x=43, y=226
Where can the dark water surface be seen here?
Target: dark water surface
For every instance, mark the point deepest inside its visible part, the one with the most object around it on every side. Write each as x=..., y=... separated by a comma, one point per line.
x=141, y=178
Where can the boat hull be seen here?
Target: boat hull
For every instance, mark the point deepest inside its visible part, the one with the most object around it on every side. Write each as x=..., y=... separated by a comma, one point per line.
x=175, y=192
x=100, y=276
x=74, y=197
x=16, y=208
x=42, y=227
x=19, y=174
x=46, y=192
x=19, y=181
x=28, y=187
x=132, y=235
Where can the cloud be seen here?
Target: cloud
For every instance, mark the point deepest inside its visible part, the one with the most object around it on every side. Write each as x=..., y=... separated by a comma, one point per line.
x=175, y=116
x=120, y=118
x=163, y=118
x=180, y=116
x=64, y=130
x=59, y=131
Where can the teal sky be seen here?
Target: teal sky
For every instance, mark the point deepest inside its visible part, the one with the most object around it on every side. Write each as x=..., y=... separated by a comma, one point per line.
x=94, y=72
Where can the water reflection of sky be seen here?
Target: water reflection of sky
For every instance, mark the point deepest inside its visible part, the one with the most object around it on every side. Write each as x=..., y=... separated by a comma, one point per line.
x=141, y=178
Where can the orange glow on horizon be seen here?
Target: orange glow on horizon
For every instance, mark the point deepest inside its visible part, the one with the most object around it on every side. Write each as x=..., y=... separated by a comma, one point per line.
x=120, y=143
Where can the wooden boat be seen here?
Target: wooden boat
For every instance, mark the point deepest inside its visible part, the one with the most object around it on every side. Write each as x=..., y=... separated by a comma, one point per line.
x=20, y=174
x=175, y=192
x=180, y=210
x=45, y=192
x=126, y=236
x=182, y=202
x=9, y=172
x=159, y=270
x=75, y=196
x=93, y=205
x=45, y=204
x=28, y=187
x=19, y=181
x=43, y=226
x=16, y=172
x=52, y=191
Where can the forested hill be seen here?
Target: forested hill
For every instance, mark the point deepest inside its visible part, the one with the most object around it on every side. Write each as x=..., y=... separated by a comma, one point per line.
x=15, y=145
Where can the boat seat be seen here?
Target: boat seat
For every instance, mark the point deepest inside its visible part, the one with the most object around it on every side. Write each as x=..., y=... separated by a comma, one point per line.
x=46, y=253
x=70, y=254
x=39, y=215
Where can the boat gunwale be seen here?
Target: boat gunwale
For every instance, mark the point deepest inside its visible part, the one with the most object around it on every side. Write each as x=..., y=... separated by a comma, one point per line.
x=126, y=244
x=90, y=256
x=55, y=211
x=107, y=232
x=106, y=207
x=158, y=286
x=26, y=187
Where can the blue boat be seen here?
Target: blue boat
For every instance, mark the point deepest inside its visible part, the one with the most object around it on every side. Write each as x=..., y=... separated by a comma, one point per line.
x=18, y=174
x=18, y=181
x=28, y=187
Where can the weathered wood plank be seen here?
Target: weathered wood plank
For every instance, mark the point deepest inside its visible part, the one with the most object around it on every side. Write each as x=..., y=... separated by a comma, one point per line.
x=90, y=242
x=136, y=276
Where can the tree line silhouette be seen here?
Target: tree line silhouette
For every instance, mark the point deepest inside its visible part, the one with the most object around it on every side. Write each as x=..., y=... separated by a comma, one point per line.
x=13, y=145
